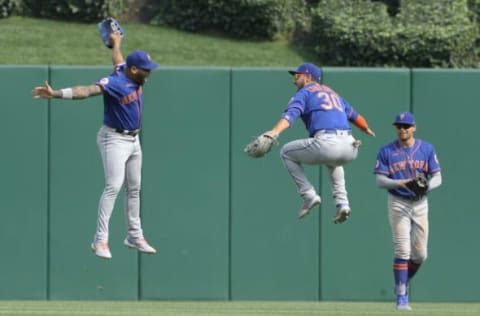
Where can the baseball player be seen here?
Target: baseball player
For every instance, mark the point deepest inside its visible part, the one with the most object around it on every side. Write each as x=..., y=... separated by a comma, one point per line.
x=118, y=140
x=396, y=165
x=325, y=115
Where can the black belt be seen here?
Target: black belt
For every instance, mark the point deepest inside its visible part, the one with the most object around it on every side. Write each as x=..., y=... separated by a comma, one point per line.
x=127, y=132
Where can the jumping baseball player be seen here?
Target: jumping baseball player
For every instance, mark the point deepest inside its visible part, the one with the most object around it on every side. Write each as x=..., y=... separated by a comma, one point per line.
x=118, y=140
x=326, y=116
x=398, y=165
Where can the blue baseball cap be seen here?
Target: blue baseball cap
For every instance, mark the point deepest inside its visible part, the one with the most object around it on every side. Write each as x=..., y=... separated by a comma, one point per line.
x=141, y=59
x=404, y=118
x=308, y=68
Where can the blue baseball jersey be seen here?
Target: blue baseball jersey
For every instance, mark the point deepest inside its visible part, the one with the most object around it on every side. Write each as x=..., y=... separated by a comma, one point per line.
x=397, y=162
x=320, y=108
x=122, y=99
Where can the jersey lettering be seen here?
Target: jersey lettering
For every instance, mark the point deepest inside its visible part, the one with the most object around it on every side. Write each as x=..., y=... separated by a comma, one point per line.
x=419, y=164
x=132, y=97
x=397, y=166
x=330, y=101
x=314, y=88
x=319, y=107
x=412, y=164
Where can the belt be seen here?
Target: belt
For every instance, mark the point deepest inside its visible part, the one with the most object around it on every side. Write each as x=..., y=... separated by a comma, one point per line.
x=127, y=132
x=333, y=131
x=409, y=198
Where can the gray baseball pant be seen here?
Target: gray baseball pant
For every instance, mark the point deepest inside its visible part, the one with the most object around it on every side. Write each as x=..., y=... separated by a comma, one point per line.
x=122, y=162
x=330, y=149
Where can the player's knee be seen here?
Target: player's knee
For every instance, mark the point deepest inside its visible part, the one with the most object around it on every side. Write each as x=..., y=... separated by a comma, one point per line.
x=285, y=153
x=402, y=252
x=112, y=189
x=420, y=257
x=133, y=190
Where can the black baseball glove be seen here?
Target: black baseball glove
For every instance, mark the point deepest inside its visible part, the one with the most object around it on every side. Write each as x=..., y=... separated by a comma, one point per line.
x=419, y=184
x=107, y=26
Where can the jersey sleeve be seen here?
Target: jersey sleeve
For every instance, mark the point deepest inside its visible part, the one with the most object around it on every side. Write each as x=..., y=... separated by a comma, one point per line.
x=295, y=107
x=381, y=164
x=110, y=84
x=352, y=115
x=433, y=162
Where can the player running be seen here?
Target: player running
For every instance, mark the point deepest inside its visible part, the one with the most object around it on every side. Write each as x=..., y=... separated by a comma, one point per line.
x=396, y=165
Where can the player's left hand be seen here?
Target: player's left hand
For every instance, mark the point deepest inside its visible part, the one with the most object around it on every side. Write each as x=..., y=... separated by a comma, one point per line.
x=106, y=28
x=418, y=185
x=370, y=132
x=115, y=38
x=45, y=92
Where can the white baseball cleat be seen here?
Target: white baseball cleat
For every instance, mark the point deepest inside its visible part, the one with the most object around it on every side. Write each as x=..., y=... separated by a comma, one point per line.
x=139, y=243
x=402, y=303
x=101, y=250
x=342, y=214
x=308, y=205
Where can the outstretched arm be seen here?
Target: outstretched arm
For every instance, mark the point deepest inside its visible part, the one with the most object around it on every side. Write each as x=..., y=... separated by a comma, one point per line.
x=361, y=123
x=78, y=92
x=281, y=125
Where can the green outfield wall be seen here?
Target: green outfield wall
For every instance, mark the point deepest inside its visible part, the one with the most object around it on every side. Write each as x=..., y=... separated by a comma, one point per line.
x=224, y=224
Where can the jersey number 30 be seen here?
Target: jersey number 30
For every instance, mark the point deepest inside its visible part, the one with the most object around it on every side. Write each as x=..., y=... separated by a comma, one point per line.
x=330, y=101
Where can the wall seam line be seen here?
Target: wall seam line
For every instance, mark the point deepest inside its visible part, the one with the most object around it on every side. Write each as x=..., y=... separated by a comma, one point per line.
x=49, y=191
x=230, y=164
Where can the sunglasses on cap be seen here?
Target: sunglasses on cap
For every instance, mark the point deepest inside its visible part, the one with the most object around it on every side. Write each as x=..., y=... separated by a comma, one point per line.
x=404, y=126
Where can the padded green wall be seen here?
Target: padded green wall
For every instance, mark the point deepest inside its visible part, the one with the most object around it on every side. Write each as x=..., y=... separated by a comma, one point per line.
x=356, y=257
x=24, y=163
x=224, y=224
x=446, y=106
x=185, y=199
x=273, y=255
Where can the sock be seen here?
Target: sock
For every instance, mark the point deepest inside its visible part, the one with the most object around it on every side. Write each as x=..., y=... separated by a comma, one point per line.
x=400, y=273
x=412, y=268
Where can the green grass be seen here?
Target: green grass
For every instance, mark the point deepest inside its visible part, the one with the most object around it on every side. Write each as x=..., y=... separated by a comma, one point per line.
x=120, y=308
x=27, y=41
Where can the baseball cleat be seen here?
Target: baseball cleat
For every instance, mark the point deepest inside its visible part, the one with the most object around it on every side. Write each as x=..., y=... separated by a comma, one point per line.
x=308, y=205
x=402, y=303
x=342, y=214
x=139, y=243
x=101, y=250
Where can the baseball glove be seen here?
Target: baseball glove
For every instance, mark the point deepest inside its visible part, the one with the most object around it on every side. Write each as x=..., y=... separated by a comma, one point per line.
x=419, y=184
x=107, y=26
x=261, y=145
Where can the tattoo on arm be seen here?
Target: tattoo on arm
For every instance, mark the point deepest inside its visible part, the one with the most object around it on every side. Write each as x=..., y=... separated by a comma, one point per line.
x=83, y=92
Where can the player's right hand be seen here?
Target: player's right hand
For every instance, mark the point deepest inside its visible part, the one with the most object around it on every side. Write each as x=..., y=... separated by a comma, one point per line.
x=45, y=92
x=403, y=182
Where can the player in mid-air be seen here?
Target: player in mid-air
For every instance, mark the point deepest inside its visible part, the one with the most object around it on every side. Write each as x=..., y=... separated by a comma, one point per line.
x=118, y=140
x=326, y=116
x=397, y=163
